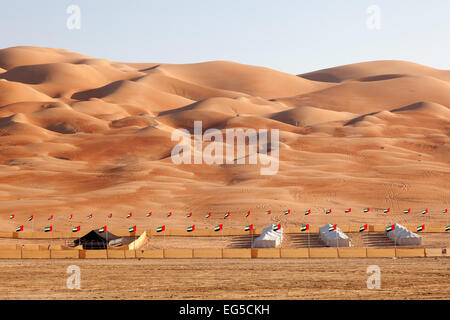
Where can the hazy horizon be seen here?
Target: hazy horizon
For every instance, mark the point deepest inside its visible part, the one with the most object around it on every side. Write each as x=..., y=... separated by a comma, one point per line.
x=291, y=37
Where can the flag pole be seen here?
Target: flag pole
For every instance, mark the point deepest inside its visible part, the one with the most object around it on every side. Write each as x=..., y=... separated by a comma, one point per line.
x=106, y=224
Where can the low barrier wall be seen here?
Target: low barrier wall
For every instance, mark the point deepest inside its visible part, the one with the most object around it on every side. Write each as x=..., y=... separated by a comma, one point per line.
x=270, y=253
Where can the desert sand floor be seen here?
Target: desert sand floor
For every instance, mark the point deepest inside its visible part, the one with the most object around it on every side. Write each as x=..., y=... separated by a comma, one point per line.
x=226, y=279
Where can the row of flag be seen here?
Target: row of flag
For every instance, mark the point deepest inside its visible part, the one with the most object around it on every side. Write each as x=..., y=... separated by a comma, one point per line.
x=228, y=214
x=219, y=227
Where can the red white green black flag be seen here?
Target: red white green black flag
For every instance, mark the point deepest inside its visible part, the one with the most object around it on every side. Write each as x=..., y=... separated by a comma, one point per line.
x=286, y=212
x=76, y=229
x=407, y=211
x=307, y=212
x=247, y=214
x=363, y=228
x=20, y=228
x=387, y=210
x=189, y=215
x=218, y=227
x=366, y=210
x=425, y=211
x=348, y=210
x=421, y=228
x=390, y=228
x=48, y=229
x=276, y=227
x=11, y=216
x=132, y=229
x=208, y=215
x=331, y=228
x=191, y=228
x=102, y=229
x=161, y=229
x=305, y=227
x=328, y=211
x=249, y=227
x=226, y=215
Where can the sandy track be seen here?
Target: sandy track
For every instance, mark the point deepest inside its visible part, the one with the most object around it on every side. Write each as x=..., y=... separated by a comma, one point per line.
x=226, y=279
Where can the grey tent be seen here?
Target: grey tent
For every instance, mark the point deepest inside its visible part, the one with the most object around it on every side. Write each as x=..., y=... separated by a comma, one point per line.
x=96, y=240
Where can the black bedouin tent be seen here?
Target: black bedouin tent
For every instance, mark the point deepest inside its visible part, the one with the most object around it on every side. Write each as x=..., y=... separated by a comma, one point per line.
x=96, y=240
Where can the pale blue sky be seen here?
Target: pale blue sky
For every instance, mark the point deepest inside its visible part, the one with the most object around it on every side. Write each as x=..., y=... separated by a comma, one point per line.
x=288, y=35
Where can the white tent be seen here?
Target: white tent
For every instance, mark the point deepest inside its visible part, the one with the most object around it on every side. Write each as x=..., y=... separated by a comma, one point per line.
x=269, y=238
x=403, y=236
x=334, y=238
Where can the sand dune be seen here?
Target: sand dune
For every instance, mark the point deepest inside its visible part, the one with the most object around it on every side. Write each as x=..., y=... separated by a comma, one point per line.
x=374, y=71
x=80, y=134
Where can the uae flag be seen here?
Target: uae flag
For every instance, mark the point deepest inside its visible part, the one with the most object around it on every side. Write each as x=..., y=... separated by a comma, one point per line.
x=390, y=228
x=51, y=218
x=11, y=216
x=425, y=211
x=149, y=214
x=30, y=218
x=226, y=215
x=129, y=215
x=287, y=212
x=161, y=229
x=189, y=215
x=208, y=215
x=421, y=228
x=76, y=229
x=70, y=217
x=363, y=228
x=19, y=229
x=307, y=212
x=169, y=214
x=249, y=227
x=387, y=210
x=348, y=210
x=366, y=209
x=304, y=227
x=48, y=229
x=132, y=229
x=247, y=214
x=102, y=229
x=276, y=227
x=110, y=215
x=447, y=228
x=90, y=216
x=331, y=228
x=444, y=211
x=191, y=228
x=328, y=211
x=218, y=228
x=268, y=212
x=407, y=211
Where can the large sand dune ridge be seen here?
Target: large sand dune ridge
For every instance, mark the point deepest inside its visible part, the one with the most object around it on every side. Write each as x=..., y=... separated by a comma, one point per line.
x=81, y=135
